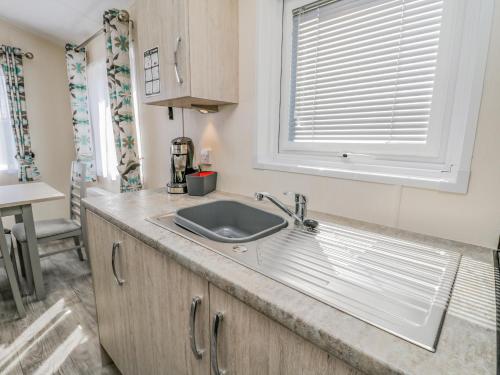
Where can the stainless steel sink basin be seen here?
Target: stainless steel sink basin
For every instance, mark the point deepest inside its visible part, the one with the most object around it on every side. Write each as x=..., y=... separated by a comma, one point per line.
x=229, y=221
x=402, y=287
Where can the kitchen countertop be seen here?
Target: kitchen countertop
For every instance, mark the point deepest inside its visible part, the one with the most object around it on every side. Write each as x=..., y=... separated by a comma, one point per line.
x=468, y=340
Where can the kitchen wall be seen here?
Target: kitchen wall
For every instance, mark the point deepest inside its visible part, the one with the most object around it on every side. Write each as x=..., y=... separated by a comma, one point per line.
x=49, y=114
x=473, y=217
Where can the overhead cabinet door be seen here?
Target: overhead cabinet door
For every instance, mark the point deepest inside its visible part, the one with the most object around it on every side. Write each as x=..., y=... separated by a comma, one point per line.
x=162, y=28
x=188, y=52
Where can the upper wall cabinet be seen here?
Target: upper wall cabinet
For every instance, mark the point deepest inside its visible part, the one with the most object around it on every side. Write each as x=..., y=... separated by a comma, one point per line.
x=188, y=52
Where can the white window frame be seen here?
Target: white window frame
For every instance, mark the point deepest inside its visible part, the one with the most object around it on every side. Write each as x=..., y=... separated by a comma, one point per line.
x=446, y=169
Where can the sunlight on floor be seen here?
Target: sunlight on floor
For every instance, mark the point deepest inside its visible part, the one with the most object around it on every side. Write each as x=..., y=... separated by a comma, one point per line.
x=56, y=359
x=29, y=333
x=11, y=354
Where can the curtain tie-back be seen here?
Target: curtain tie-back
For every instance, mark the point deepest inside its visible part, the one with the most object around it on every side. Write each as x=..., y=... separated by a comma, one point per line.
x=27, y=167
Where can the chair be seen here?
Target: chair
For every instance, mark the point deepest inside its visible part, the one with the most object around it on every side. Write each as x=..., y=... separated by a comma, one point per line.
x=7, y=258
x=56, y=229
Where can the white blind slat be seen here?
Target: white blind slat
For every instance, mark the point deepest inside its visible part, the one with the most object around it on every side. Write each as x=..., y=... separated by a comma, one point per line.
x=366, y=101
x=378, y=27
x=363, y=71
x=365, y=64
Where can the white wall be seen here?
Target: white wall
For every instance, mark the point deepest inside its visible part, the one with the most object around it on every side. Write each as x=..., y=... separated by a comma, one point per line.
x=473, y=217
x=49, y=114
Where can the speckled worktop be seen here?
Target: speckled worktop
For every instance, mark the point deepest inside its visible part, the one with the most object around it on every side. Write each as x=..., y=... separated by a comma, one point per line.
x=467, y=344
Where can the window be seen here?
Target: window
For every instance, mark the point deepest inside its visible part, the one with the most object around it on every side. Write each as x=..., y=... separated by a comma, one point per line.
x=134, y=81
x=100, y=117
x=8, y=161
x=363, y=74
x=376, y=90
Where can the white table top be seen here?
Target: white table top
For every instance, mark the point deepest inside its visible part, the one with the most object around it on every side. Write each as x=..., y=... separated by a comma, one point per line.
x=27, y=193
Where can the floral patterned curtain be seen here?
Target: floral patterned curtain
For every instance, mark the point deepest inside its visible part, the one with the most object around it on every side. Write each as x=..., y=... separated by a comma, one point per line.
x=12, y=64
x=76, y=64
x=116, y=29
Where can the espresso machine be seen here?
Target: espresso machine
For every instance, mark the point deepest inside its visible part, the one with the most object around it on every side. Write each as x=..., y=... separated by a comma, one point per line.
x=181, y=164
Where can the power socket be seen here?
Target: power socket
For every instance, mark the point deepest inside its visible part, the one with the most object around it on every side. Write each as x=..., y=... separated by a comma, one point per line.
x=206, y=156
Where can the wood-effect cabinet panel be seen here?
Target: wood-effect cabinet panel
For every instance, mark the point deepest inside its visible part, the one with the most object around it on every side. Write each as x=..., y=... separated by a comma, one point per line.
x=206, y=53
x=114, y=318
x=159, y=24
x=214, y=68
x=161, y=315
x=144, y=323
x=249, y=343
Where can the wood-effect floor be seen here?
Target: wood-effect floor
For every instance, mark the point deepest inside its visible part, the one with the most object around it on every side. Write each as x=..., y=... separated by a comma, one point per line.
x=59, y=334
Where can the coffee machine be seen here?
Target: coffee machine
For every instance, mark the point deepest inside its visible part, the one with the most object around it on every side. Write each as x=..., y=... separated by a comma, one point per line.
x=181, y=164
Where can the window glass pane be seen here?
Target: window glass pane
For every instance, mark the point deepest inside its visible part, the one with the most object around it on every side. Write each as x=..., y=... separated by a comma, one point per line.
x=363, y=71
x=100, y=116
x=135, y=101
x=7, y=148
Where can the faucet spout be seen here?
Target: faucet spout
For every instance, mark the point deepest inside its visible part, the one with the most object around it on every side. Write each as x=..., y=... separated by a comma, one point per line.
x=261, y=195
x=300, y=208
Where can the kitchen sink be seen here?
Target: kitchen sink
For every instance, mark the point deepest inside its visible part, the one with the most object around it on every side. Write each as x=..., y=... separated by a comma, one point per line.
x=229, y=221
x=402, y=287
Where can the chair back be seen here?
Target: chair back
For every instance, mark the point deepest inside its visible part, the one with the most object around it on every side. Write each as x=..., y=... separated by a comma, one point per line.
x=77, y=189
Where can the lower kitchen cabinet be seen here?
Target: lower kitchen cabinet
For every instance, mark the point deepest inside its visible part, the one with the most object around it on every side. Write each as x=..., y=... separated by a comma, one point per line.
x=171, y=314
x=157, y=317
x=249, y=343
x=145, y=306
x=113, y=302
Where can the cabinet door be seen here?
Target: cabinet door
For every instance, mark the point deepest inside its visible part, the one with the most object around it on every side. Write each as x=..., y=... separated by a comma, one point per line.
x=163, y=296
x=163, y=24
x=250, y=343
x=112, y=301
x=213, y=49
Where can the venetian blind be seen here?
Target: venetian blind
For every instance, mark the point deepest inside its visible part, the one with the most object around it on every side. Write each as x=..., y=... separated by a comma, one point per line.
x=363, y=71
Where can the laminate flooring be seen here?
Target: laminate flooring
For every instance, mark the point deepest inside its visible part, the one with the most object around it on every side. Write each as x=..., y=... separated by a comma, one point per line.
x=59, y=334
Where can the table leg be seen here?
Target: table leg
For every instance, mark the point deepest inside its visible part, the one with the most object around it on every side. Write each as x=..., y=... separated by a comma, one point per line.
x=29, y=227
x=11, y=275
x=19, y=219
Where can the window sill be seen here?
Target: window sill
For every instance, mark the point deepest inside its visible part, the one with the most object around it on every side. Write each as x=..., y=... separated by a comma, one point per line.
x=456, y=182
x=8, y=171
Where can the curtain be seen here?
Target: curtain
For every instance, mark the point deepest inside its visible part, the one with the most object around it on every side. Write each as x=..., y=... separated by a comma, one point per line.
x=76, y=64
x=120, y=95
x=12, y=66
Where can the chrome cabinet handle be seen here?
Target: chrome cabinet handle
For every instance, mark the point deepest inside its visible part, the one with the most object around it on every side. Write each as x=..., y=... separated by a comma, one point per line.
x=213, y=344
x=176, y=63
x=192, y=334
x=119, y=280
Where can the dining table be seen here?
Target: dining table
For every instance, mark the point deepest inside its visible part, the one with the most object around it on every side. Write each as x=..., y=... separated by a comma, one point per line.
x=17, y=200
